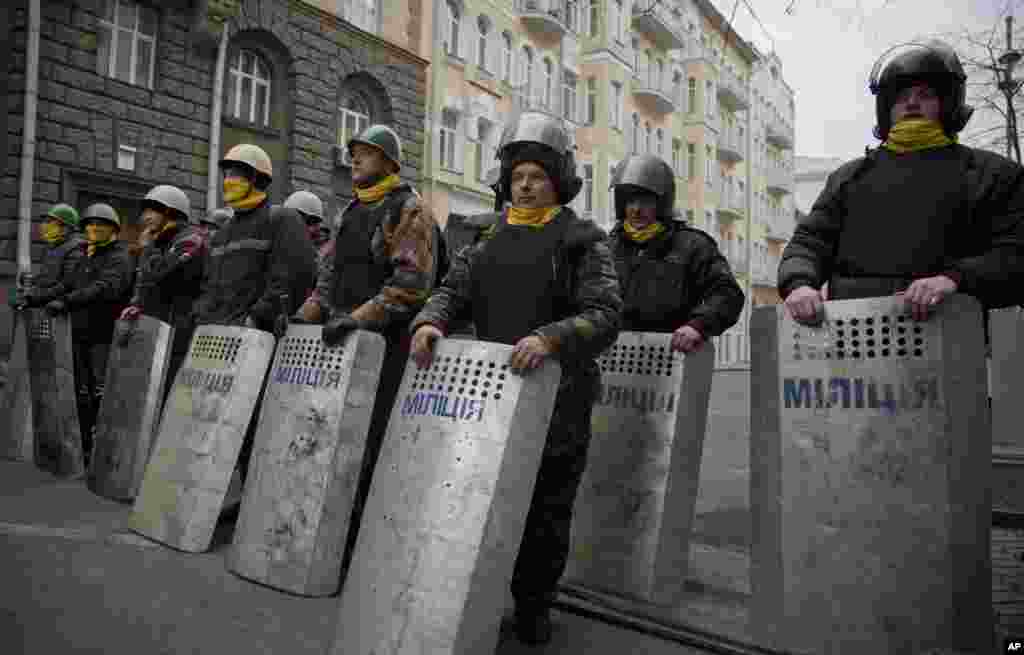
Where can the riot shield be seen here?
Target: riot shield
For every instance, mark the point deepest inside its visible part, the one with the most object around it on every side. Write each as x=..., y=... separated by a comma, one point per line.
x=307, y=454
x=204, y=422
x=870, y=460
x=58, y=445
x=1006, y=329
x=127, y=417
x=16, y=440
x=632, y=518
x=447, y=506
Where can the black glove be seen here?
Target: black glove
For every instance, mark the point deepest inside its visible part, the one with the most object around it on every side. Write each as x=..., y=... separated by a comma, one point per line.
x=55, y=307
x=337, y=328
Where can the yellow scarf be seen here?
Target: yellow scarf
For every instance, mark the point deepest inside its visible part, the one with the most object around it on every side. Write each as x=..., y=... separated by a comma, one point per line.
x=916, y=134
x=645, y=234
x=52, y=233
x=240, y=194
x=535, y=218
x=169, y=226
x=378, y=190
x=98, y=235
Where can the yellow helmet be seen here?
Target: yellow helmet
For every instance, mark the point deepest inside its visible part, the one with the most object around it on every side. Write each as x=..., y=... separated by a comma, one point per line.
x=252, y=156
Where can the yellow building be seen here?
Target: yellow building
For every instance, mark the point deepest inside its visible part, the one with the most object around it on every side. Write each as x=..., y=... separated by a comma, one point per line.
x=675, y=81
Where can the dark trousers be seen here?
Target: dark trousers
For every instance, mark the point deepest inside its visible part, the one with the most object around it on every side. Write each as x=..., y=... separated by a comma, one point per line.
x=544, y=550
x=90, y=382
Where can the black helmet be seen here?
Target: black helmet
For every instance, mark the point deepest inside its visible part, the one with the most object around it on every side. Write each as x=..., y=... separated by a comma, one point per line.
x=533, y=136
x=382, y=138
x=645, y=173
x=933, y=62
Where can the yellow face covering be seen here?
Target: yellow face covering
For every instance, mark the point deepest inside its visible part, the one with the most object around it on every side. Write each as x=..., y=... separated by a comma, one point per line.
x=168, y=227
x=533, y=217
x=98, y=235
x=239, y=193
x=645, y=234
x=52, y=232
x=378, y=190
x=915, y=134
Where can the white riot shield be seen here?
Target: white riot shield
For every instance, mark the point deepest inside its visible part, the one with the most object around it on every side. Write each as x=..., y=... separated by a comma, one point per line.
x=632, y=518
x=1006, y=330
x=204, y=421
x=127, y=418
x=870, y=460
x=58, y=445
x=447, y=506
x=307, y=455
x=16, y=439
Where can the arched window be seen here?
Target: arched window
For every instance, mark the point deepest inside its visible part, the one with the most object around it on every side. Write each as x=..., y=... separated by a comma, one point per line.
x=636, y=133
x=353, y=118
x=249, y=82
x=483, y=28
x=506, y=56
x=526, y=78
x=547, y=82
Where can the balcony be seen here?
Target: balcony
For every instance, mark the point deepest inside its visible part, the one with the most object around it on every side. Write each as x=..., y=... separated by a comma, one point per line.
x=544, y=16
x=731, y=202
x=732, y=91
x=780, y=181
x=649, y=84
x=778, y=132
x=730, y=149
x=659, y=25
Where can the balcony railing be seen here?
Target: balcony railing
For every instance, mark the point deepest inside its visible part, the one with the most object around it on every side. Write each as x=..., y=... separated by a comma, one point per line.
x=659, y=24
x=545, y=16
x=732, y=91
x=778, y=132
x=654, y=85
x=731, y=202
x=780, y=180
x=730, y=148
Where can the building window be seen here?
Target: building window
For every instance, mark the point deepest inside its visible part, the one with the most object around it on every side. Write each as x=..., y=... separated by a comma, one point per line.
x=616, y=19
x=571, y=8
x=692, y=96
x=126, y=41
x=526, y=76
x=636, y=134
x=249, y=88
x=659, y=143
x=709, y=98
x=647, y=138
x=451, y=39
x=483, y=28
x=611, y=192
x=361, y=13
x=635, y=43
x=594, y=17
x=449, y=131
x=353, y=118
x=677, y=157
x=691, y=161
x=615, y=105
x=126, y=157
x=506, y=56
x=591, y=100
x=677, y=89
x=588, y=188
x=548, y=73
x=708, y=173
x=569, y=96
x=485, y=149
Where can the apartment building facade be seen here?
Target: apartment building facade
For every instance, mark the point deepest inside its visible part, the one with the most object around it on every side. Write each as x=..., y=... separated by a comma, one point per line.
x=670, y=78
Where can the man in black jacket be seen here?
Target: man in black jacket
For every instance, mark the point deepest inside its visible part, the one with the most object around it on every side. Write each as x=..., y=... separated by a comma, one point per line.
x=61, y=233
x=921, y=216
x=673, y=277
x=542, y=280
x=99, y=290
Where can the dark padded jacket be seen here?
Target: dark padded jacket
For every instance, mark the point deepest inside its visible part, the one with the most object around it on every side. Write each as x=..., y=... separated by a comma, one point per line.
x=56, y=270
x=677, y=278
x=990, y=261
x=100, y=289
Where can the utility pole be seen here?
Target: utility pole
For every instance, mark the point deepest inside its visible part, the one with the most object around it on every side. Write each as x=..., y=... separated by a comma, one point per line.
x=1008, y=86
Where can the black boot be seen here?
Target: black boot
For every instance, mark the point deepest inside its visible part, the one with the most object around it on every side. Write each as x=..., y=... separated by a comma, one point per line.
x=533, y=624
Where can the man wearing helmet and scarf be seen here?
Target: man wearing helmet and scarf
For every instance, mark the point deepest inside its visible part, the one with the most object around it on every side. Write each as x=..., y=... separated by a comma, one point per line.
x=922, y=215
x=542, y=280
x=311, y=210
x=99, y=289
x=673, y=277
x=375, y=275
x=64, y=242
x=170, y=268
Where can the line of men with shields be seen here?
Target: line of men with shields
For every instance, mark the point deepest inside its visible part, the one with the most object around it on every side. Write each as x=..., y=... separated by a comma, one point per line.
x=533, y=274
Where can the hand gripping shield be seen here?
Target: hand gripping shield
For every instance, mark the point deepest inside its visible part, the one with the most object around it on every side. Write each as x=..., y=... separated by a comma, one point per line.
x=447, y=506
x=128, y=415
x=870, y=460
x=16, y=438
x=307, y=455
x=204, y=421
x=58, y=446
x=632, y=518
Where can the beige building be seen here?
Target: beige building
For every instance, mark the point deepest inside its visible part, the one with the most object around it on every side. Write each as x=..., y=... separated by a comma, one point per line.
x=675, y=81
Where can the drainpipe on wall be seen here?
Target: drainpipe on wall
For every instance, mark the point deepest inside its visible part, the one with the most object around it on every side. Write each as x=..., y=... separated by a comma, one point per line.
x=28, y=146
x=428, y=120
x=750, y=210
x=216, y=109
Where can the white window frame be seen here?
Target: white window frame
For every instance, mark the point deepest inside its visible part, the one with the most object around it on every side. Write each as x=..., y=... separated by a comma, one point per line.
x=708, y=174
x=362, y=121
x=507, y=60
x=659, y=143
x=570, y=93
x=262, y=84
x=526, y=71
x=611, y=192
x=113, y=30
x=482, y=29
x=615, y=106
x=677, y=157
x=648, y=138
x=548, y=75
x=448, y=141
x=591, y=116
x=453, y=18
x=617, y=19
x=485, y=149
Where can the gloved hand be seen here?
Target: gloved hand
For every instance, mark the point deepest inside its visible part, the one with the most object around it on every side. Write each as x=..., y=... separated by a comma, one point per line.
x=337, y=328
x=55, y=307
x=131, y=313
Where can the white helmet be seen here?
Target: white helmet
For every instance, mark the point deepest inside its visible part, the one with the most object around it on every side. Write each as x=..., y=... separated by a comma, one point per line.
x=307, y=203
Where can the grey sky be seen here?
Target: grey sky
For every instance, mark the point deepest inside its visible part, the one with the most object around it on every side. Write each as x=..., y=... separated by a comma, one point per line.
x=828, y=47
